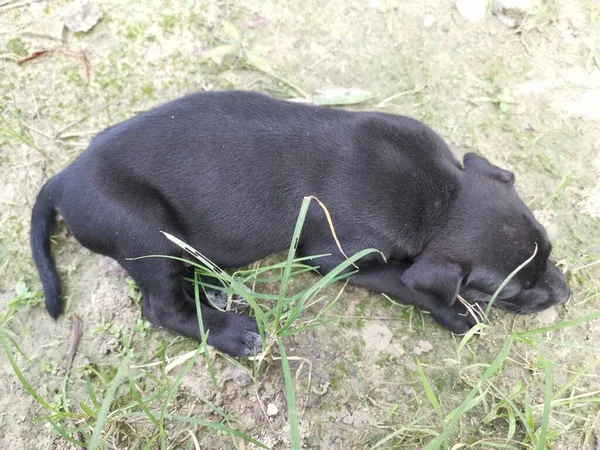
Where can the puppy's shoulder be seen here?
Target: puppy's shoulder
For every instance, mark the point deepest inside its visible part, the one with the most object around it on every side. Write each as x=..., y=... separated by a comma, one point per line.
x=404, y=133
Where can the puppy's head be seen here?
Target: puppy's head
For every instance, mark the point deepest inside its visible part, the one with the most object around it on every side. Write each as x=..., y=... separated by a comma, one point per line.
x=488, y=233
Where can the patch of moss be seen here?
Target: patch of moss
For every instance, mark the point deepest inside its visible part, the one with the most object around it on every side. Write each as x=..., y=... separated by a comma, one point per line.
x=134, y=30
x=17, y=46
x=169, y=21
x=148, y=90
x=342, y=369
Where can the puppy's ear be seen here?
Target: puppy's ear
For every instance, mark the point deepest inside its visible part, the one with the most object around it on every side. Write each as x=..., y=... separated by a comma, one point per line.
x=482, y=165
x=439, y=279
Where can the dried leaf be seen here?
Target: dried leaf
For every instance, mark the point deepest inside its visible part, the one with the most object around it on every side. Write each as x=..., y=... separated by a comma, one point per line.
x=231, y=31
x=20, y=288
x=216, y=54
x=258, y=62
x=74, y=338
x=179, y=360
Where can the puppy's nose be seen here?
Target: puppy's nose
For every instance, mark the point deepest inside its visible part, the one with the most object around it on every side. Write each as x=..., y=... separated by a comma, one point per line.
x=565, y=297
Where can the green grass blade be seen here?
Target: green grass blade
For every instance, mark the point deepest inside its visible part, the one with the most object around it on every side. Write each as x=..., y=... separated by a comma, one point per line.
x=429, y=391
x=498, y=445
x=585, y=348
x=573, y=380
x=67, y=436
x=512, y=423
x=559, y=325
x=290, y=258
x=327, y=279
x=140, y=402
x=108, y=399
x=541, y=444
x=452, y=418
x=203, y=334
x=478, y=327
x=508, y=278
x=200, y=422
x=290, y=398
x=86, y=409
x=530, y=432
x=92, y=394
x=405, y=429
x=30, y=390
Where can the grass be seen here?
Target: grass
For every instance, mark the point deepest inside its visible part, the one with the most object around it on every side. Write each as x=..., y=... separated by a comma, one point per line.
x=533, y=422
x=277, y=316
x=123, y=397
x=545, y=389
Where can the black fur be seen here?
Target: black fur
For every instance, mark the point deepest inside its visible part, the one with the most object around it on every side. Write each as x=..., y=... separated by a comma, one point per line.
x=227, y=171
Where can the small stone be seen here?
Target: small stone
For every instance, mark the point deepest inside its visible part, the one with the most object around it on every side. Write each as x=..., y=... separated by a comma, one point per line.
x=429, y=21
x=272, y=410
x=472, y=10
x=422, y=347
x=81, y=15
x=377, y=336
x=321, y=390
x=109, y=346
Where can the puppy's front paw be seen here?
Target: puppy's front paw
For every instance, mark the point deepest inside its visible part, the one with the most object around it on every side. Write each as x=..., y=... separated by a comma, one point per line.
x=469, y=315
x=458, y=318
x=240, y=337
x=456, y=323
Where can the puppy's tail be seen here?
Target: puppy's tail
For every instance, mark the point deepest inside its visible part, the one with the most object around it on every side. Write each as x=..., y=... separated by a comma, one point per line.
x=42, y=222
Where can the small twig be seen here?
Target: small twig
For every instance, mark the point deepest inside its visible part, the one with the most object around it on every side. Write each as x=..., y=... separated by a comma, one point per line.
x=262, y=407
x=6, y=6
x=79, y=56
x=335, y=316
x=74, y=339
x=32, y=128
x=586, y=266
x=401, y=94
x=34, y=55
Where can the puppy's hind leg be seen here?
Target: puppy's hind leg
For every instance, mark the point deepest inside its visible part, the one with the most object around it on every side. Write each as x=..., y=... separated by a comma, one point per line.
x=167, y=304
x=126, y=224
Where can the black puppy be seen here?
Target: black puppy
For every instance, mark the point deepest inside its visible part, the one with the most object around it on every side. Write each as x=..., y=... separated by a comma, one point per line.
x=227, y=171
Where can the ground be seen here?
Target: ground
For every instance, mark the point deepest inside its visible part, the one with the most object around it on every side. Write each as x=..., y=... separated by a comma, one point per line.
x=378, y=375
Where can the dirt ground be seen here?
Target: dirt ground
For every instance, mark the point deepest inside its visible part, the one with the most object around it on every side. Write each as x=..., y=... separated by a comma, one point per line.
x=526, y=98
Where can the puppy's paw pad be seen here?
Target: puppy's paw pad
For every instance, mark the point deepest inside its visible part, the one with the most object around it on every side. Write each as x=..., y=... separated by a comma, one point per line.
x=217, y=298
x=253, y=343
